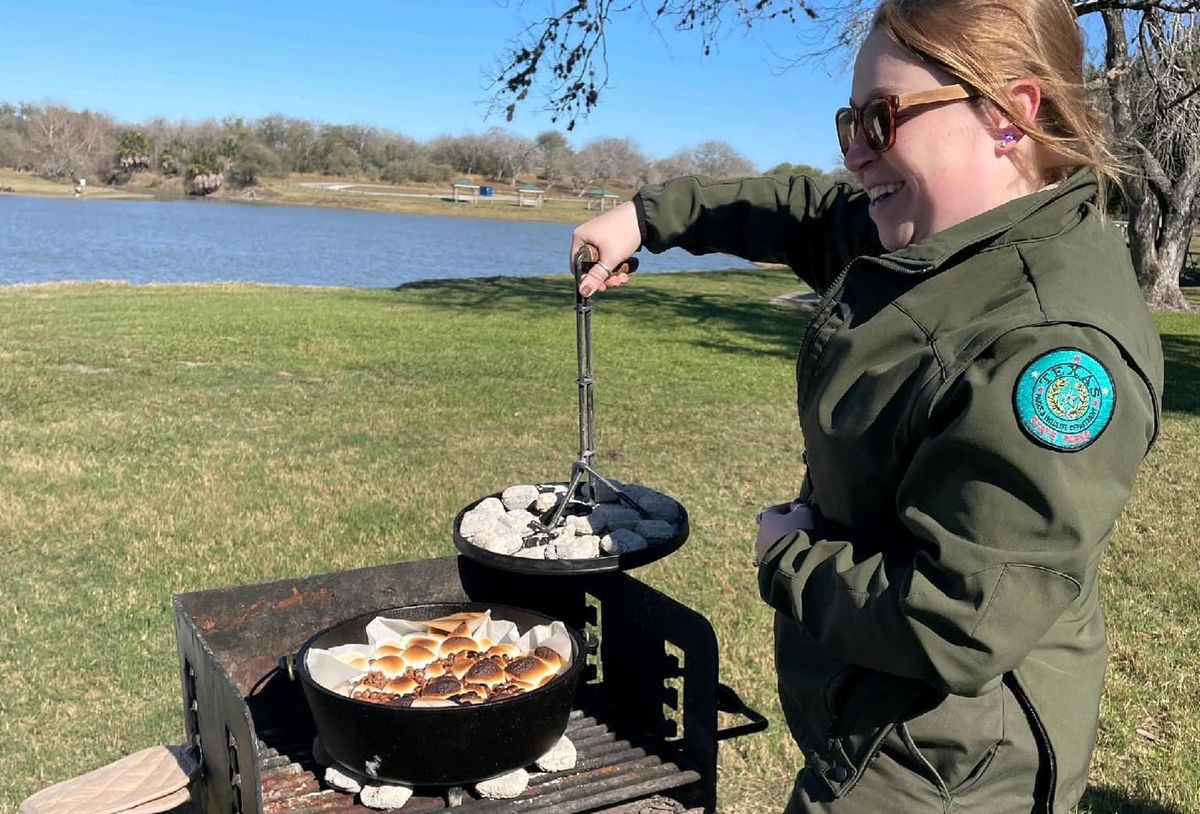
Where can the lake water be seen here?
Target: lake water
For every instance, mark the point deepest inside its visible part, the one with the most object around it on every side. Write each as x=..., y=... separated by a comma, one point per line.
x=53, y=239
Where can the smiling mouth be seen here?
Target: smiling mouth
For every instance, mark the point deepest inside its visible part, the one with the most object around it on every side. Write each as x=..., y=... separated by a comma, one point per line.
x=881, y=192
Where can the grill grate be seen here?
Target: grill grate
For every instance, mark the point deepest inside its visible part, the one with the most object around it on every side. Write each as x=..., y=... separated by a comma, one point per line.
x=611, y=769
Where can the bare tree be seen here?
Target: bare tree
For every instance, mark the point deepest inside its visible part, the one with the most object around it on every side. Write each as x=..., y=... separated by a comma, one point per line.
x=680, y=163
x=513, y=154
x=608, y=160
x=718, y=160
x=467, y=154
x=66, y=143
x=1150, y=75
x=1151, y=83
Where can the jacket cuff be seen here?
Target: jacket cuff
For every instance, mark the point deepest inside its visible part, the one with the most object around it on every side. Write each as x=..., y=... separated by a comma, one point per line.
x=640, y=206
x=773, y=585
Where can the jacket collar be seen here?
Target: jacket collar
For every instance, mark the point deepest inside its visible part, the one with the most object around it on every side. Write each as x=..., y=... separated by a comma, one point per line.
x=1029, y=217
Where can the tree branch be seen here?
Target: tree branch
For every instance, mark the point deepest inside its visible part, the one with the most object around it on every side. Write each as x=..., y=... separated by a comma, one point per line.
x=1093, y=6
x=568, y=51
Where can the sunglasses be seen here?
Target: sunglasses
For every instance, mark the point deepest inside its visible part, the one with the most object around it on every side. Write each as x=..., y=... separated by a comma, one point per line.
x=877, y=118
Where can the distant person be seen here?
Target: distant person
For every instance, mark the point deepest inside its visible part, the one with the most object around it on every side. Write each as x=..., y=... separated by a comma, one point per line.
x=80, y=186
x=976, y=389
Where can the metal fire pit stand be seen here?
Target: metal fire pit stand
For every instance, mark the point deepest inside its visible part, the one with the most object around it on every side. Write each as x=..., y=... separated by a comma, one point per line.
x=585, y=465
x=646, y=707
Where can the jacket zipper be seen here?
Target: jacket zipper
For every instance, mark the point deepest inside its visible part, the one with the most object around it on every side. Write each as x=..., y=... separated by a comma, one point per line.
x=819, y=318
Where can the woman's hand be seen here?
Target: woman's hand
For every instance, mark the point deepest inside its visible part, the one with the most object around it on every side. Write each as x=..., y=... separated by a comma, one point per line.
x=775, y=522
x=616, y=235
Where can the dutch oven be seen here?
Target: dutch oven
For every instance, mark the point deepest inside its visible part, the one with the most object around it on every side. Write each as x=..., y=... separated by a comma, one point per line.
x=439, y=746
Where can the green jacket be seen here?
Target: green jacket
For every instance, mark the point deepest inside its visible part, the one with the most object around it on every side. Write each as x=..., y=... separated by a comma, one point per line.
x=960, y=524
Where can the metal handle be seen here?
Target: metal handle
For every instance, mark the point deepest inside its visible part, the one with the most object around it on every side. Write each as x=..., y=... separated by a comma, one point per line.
x=729, y=701
x=588, y=256
x=584, y=468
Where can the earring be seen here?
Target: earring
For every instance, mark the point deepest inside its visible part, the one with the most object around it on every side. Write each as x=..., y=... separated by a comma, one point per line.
x=1009, y=137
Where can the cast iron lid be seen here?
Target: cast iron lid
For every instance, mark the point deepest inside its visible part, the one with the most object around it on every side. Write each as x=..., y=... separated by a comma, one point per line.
x=593, y=565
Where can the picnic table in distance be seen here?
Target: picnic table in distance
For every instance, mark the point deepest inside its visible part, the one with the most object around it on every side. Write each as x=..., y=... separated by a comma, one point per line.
x=604, y=198
x=464, y=189
x=530, y=195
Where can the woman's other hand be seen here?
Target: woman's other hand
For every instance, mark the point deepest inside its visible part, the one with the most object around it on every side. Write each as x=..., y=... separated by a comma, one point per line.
x=775, y=522
x=616, y=235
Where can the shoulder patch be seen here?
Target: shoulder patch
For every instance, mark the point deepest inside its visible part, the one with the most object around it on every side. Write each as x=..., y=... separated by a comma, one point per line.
x=1064, y=399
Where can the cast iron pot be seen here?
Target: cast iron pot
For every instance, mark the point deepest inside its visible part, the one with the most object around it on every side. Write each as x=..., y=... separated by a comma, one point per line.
x=439, y=746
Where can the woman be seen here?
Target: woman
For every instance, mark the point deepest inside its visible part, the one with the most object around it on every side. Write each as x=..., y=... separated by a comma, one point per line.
x=976, y=390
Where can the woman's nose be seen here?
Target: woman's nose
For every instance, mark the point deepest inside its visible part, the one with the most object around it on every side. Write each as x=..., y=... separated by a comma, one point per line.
x=859, y=153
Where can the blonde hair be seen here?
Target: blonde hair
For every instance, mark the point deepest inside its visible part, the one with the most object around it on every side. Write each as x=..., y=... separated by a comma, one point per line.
x=988, y=43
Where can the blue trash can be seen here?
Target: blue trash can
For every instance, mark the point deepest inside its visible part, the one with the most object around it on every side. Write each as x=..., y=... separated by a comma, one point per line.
x=485, y=192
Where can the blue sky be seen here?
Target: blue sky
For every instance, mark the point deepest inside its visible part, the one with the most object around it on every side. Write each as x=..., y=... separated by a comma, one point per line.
x=413, y=66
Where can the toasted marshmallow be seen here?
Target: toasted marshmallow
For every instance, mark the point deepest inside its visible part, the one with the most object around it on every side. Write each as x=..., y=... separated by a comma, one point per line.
x=550, y=656
x=461, y=664
x=356, y=660
x=418, y=656
x=457, y=644
x=441, y=688
x=427, y=641
x=387, y=648
x=507, y=649
x=435, y=670
x=487, y=672
x=390, y=666
x=402, y=685
x=530, y=670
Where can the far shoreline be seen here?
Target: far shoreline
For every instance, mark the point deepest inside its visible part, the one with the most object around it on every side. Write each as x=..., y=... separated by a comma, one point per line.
x=292, y=191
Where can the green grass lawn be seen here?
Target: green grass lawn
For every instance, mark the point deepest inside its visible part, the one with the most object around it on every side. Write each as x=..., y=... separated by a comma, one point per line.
x=156, y=440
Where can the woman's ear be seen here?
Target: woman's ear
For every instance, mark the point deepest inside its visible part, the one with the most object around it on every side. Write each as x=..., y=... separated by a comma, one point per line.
x=1026, y=97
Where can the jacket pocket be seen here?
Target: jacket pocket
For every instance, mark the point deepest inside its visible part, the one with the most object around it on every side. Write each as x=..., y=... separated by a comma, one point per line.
x=867, y=706
x=953, y=744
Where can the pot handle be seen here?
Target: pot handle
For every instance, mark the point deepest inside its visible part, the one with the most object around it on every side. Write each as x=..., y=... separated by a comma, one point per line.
x=287, y=666
x=729, y=701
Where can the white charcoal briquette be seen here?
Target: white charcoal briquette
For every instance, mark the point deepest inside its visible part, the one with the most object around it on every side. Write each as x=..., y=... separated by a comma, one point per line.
x=499, y=539
x=561, y=757
x=578, y=548
x=537, y=552
x=582, y=524
x=385, y=797
x=519, y=497
x=342, y=781
x=545, y=502
x=504, y=787
x=520, y=521
x=481, y=517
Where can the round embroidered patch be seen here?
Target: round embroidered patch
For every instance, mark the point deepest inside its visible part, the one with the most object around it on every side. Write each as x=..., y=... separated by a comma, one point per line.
x=1064, y=399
